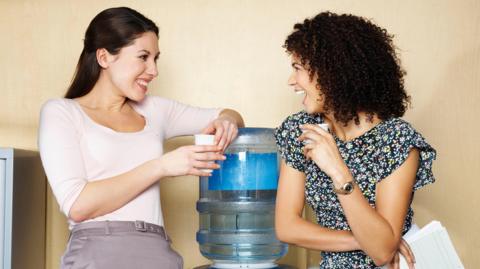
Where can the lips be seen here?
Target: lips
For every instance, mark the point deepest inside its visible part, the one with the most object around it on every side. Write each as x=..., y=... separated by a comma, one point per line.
x=143, y=84
x=300, y=92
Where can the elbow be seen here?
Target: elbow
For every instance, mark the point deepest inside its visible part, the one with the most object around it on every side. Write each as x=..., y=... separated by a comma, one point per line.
x=282, y=233
x=382, y=260
x=281, y=236
x=77, y=214
x=233, y=115
x=383, y=257
x=383, y=252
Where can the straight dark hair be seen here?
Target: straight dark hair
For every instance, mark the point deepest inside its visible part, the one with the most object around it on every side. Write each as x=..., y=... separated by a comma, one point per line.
x=112, y=29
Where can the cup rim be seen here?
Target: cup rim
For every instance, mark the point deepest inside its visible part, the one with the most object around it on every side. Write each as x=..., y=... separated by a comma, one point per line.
x=204, y=135
x=204, y=139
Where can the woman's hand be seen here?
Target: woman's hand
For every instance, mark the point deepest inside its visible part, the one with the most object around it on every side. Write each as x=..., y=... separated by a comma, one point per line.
x=189, y=160
x=225, y=129
x=320, y=147
x=406, y=252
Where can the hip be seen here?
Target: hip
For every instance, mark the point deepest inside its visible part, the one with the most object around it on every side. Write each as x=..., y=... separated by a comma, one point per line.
x=119, y=244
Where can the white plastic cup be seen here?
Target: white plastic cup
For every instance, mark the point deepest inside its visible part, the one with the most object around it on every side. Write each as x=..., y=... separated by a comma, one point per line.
x=205, y=139
x=324, y=126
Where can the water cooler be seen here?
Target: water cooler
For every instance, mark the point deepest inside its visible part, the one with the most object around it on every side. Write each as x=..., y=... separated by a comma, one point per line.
x=237, y=205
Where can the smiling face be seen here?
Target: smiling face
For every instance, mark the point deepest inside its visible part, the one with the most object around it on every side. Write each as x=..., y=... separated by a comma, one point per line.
x=302, y=84
x=134, y=67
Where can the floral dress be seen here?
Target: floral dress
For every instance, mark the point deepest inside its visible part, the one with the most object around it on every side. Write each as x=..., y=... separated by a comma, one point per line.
x=370, y=157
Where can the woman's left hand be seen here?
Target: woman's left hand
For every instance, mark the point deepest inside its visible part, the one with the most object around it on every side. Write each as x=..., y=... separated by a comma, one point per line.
x=404, y=250
x=320, y=147
x=225, y=129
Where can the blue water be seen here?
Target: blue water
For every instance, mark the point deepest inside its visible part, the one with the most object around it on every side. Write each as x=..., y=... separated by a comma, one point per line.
x=246, y=171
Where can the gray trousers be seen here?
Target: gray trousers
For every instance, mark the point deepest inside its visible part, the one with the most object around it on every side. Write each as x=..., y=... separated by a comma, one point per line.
x=119, y=245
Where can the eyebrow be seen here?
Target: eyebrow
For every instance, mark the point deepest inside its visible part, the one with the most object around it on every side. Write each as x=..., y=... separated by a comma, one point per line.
x=148, y=52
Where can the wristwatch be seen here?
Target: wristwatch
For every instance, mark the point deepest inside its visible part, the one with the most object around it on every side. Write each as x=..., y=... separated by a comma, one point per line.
x=347, y=188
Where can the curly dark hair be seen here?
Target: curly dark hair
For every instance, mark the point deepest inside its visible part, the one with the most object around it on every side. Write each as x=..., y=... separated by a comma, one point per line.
x=357, y=67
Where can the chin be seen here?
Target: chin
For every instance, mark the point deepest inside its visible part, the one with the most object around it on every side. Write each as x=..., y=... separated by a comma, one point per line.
x=312, y=111
x=137, y=98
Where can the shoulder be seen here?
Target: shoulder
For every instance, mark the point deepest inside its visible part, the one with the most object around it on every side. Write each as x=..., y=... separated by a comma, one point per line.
x=294, y=121
x=57, y=103
x=398, y=125
x=157, y=105
x=399, y=131
x=59, y=115
x=58, y=107
x=286, y=137
x=290, y=127
x=303, y=117
x=406, y=136
x=395, y=139
x=154, y=101
x=153, y=105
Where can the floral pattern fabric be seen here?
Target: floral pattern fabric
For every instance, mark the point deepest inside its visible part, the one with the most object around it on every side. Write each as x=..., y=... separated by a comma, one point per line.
x=370, y=157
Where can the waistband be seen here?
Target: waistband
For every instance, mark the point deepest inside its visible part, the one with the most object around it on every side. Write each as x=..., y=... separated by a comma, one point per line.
x=113, y=227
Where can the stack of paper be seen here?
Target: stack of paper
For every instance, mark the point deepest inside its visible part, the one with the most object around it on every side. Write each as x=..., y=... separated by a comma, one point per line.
x=432, y=248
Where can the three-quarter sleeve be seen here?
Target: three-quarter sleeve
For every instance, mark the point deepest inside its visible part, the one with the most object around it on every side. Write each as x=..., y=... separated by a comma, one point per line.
x=181, y=119
x=58, y=143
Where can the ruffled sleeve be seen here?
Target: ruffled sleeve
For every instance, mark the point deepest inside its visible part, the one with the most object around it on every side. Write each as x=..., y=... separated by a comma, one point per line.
x=397, y=140
x=286, y=136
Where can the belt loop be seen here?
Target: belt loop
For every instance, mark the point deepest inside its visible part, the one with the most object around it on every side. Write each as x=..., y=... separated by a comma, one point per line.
x=140, y=226
x=107, y=228
x=166, y=236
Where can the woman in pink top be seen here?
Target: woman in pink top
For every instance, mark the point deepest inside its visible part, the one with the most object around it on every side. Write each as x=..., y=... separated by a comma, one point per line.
x=102, y=147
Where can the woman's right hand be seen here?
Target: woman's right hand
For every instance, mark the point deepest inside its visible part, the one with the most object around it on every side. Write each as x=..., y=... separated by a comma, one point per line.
x=406, y=252
x=189, y=160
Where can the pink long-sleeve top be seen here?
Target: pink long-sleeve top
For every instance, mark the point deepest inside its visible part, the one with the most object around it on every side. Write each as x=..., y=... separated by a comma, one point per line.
x=75, y=150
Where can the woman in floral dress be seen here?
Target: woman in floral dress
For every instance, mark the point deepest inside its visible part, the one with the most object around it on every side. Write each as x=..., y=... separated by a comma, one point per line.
x=359, y=176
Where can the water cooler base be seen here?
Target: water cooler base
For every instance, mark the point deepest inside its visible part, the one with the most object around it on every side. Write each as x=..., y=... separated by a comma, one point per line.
x=277, y=266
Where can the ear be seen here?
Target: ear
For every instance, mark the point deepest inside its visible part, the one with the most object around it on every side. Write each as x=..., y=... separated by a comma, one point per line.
x=103, y=57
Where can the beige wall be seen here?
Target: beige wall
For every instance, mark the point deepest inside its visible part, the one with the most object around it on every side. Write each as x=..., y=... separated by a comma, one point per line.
x=228, y=53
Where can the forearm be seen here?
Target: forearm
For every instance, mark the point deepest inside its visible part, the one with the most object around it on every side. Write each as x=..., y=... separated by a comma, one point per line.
x=373, y=233
x=233, y=115
x=304, y=233
x=379, y=230
x=107, y=195
x=291, y=228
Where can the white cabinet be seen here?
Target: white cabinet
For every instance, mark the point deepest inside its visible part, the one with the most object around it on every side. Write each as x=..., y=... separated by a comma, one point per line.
x=22, y=210
x=3, y=176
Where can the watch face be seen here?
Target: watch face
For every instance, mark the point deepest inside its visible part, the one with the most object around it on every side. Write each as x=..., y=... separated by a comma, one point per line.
x=348, y=187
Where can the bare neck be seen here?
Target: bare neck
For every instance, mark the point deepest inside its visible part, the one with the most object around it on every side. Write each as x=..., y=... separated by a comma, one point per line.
x=104, y=96
x=352, y=130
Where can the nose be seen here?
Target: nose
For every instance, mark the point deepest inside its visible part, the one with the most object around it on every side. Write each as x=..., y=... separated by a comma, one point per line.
x=152, y=69
x=291, y=80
